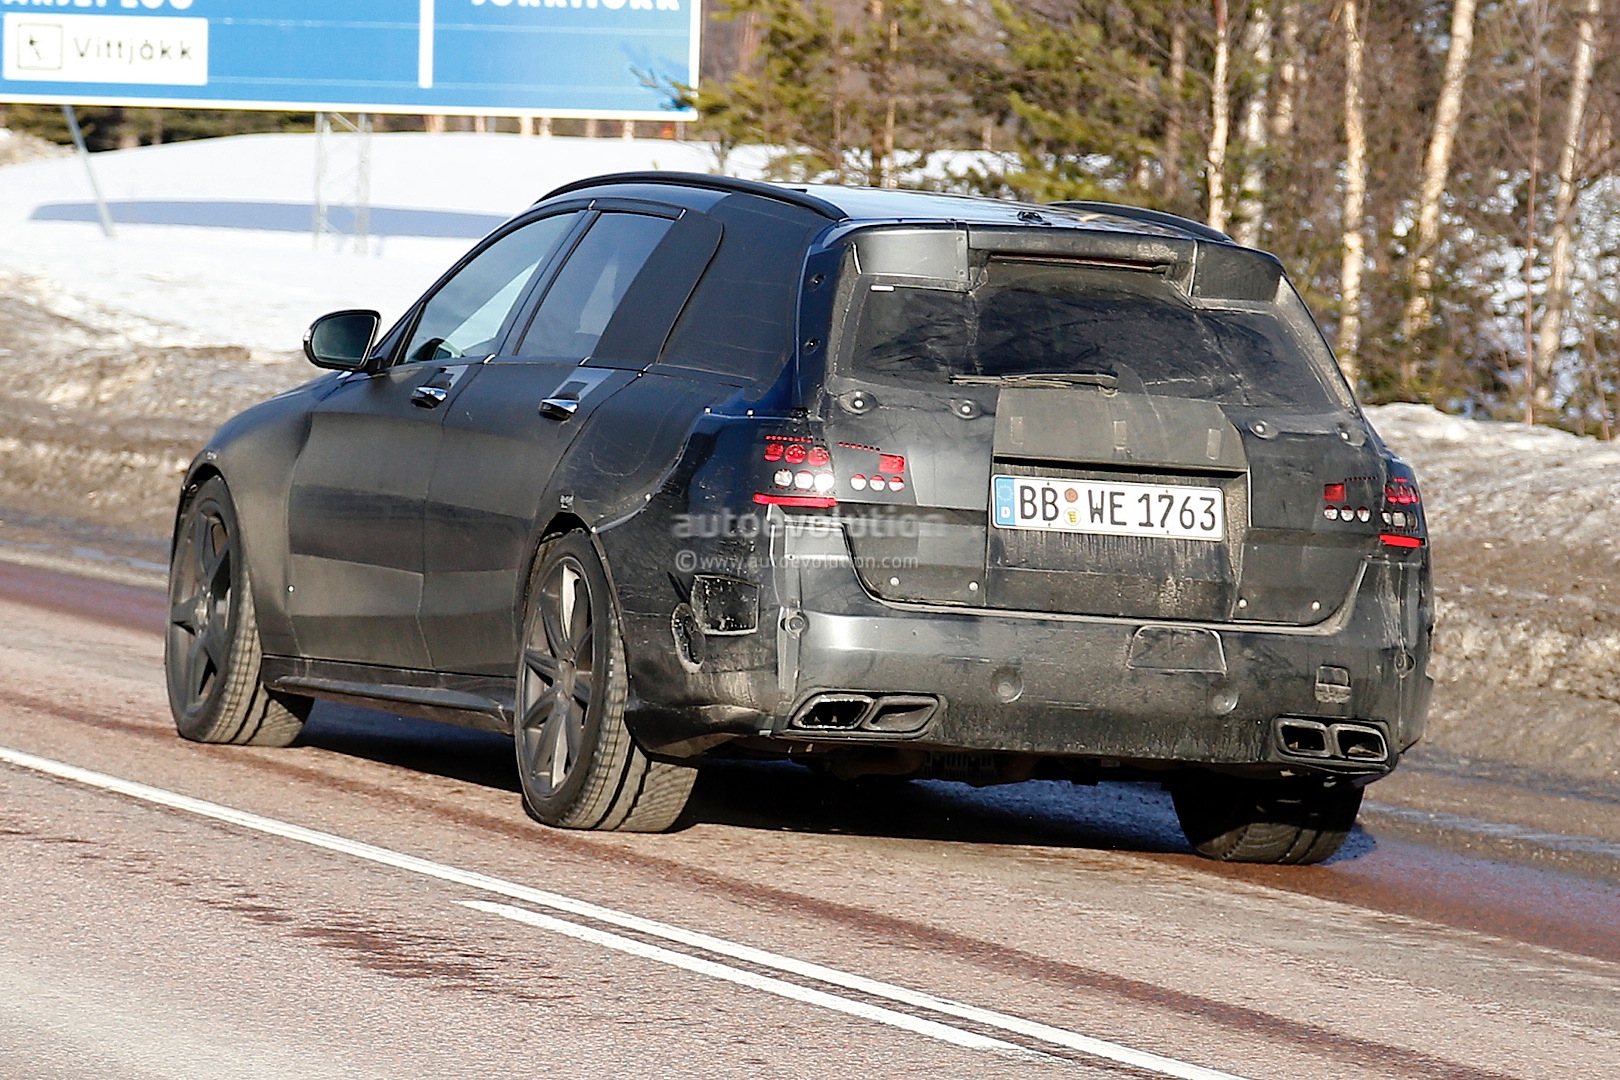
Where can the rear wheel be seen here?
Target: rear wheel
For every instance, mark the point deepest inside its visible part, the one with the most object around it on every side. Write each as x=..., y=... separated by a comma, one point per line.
x=211, y=650
x=1265, y=821
x=579, y=767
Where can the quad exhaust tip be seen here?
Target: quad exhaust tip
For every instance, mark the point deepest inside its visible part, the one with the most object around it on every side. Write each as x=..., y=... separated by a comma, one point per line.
x=876, y=714
x=1361, y=744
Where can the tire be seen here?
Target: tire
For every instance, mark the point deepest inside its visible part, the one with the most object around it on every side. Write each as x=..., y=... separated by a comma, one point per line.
x=211, y=648
x=578, y=765
x=1265, y=821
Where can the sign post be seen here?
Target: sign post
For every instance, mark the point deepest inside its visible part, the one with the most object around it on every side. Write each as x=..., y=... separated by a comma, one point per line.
x=84, y=156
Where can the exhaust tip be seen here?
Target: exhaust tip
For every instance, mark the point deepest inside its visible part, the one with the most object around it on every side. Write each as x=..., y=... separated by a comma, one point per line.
x=1303, y=738
x=1357, y=742
x=832, y=712
x=1350, y=743
x=860, y=713
x=900, y=714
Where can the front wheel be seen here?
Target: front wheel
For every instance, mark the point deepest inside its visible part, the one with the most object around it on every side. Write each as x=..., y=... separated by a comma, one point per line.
x=1265, y=821
x=211, y=651
x=578, y=765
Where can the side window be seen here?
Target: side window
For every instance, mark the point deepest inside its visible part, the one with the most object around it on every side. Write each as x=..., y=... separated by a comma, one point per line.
x=740, y=318
x=590, y=285
x=465, y=316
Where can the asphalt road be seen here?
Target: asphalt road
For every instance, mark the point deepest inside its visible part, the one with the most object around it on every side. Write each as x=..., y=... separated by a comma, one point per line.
x=374, y=903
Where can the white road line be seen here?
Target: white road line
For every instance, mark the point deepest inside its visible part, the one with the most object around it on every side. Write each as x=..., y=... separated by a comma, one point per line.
x=933, y=1029
x=1054, y=1036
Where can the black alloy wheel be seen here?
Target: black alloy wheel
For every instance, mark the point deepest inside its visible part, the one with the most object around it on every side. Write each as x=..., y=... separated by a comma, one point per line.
x=211, y=649
x=579, y=766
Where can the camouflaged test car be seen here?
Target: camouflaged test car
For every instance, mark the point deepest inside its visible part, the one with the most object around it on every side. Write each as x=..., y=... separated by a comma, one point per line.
x=671, y=467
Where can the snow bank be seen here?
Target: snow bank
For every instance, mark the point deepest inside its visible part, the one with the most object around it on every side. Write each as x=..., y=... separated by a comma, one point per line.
x=259, y=287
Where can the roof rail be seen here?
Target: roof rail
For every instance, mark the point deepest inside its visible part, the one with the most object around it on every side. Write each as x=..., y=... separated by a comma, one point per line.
x=714, y=183
x=1151, y=217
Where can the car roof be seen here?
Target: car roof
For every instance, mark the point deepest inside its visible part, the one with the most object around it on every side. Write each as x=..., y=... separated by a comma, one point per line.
x=863, y=205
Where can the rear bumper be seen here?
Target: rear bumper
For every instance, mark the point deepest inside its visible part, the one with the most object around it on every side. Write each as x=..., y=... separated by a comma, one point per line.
x=1091, y=689
x=1137, y=692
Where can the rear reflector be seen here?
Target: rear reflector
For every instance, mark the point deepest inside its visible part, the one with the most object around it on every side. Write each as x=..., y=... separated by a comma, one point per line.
x=820, y=502
x=1395, y=540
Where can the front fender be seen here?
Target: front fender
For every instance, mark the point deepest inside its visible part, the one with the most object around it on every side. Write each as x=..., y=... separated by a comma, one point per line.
x=254, y=452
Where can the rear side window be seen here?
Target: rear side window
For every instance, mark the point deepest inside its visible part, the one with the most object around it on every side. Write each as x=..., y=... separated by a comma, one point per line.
x=740, y=320
x=590, y=285
x=1027, y=317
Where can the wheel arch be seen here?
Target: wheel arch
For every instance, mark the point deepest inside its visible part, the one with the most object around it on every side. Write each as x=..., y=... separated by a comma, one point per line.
x=200, y=473
x=254, y=453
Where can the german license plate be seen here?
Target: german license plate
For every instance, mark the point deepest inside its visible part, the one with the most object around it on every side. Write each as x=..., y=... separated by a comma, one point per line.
x=1109, y=507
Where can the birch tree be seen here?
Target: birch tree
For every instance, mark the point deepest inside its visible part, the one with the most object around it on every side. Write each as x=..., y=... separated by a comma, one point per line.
x=1538, y=16
x=1174, y=122
x=1251, y=189
x=1550, y=339
x=1220, y=109
x=1355, y=195
x=1289, y=65
x=1436, y=166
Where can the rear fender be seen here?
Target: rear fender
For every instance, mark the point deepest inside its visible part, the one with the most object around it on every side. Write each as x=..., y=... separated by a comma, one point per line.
x=645, y=501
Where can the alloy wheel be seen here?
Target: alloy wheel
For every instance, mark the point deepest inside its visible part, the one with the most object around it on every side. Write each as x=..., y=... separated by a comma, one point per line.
x=200, y=607
x=557, y=677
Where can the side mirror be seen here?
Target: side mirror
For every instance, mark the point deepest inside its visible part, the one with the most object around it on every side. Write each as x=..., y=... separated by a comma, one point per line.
x=342, y=340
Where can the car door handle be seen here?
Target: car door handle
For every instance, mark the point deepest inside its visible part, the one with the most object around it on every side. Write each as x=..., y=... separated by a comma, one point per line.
x=559, y=408
x=429, y=397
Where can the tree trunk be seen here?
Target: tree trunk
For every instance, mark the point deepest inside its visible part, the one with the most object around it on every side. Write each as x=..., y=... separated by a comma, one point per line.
x=1355, y=197
x=1289, y=67
x=1437, y=164
x=1250, y=212
x=1220, y=120
x=1173, y=121
x=890, y=109
x=882, y=93
x=1532, y=207
x=1551, y=335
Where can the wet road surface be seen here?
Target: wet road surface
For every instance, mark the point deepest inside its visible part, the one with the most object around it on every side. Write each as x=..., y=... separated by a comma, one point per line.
x=374, y=903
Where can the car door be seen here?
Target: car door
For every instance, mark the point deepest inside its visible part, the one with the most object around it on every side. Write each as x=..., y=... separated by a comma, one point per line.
x=597, y=324
x=356, y=502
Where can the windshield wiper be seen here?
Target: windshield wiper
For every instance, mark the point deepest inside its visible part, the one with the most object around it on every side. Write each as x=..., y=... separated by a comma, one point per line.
x=1105, y=379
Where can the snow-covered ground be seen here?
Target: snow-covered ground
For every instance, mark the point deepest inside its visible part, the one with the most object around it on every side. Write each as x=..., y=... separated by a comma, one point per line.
x=117, y=356
x=258, y=285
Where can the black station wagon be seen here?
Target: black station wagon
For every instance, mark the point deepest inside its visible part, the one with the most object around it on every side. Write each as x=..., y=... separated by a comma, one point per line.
x=672, y=467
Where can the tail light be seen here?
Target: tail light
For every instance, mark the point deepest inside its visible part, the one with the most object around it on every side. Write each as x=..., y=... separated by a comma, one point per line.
x=888, y=473
x=1402, y=512
x=797, y=472
x=1336, y=505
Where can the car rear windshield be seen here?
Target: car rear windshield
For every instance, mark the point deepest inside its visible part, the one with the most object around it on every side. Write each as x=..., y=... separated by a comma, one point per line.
x=1030, y=317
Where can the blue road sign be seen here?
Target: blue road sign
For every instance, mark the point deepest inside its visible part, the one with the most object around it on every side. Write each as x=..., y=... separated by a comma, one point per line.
x=579, y=58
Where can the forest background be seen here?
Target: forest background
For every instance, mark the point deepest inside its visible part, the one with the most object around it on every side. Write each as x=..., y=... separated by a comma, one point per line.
x=1441, y=179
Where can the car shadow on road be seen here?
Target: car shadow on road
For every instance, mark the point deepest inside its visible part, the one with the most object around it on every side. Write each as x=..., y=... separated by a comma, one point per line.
x=782, y=796
x=1112, y=816
x=459, y=753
